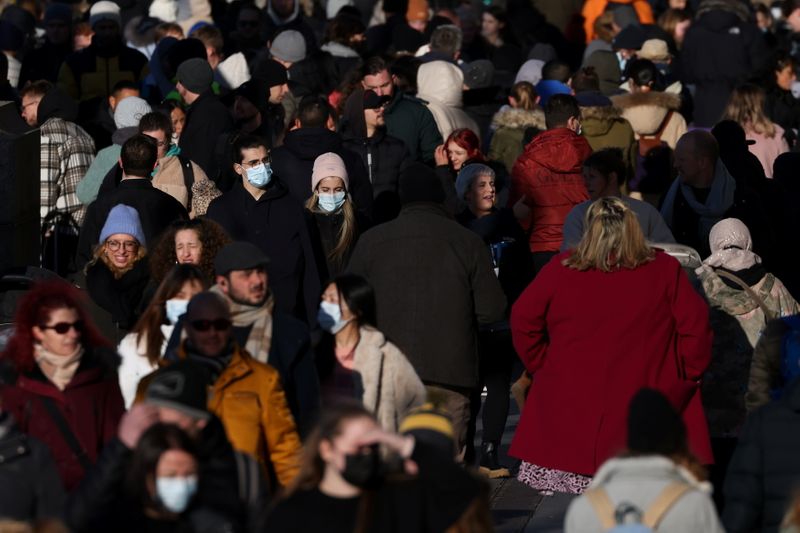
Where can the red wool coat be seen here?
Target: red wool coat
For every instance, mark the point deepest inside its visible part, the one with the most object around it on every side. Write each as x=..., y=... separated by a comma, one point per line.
x=549, y=176
x=591, y=340
x=91, y=404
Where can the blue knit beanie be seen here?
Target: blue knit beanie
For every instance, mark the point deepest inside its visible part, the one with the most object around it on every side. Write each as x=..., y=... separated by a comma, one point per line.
x=123, y=219
x=467, y=176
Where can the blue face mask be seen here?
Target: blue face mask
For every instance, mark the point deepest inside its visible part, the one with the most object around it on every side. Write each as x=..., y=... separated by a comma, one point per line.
x=331, y=202
x=175, y=309
x=175, y=493
x=330, y=317
x=259, y=176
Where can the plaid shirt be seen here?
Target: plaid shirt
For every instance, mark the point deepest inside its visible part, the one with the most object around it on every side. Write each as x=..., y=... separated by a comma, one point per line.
x=66, y=153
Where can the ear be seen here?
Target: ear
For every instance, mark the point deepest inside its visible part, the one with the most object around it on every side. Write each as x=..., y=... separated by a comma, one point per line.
x=538, y=99
x=330, y=124
x=112, y=103
x=296, y=125
x=38, y=333
x=238, y=169
x=325, y=450
x=119, y=161
x=222, y=281
x=394, y=79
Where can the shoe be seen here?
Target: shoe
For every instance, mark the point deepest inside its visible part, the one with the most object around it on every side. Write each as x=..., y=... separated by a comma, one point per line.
x=490, y=466
x=519, y=390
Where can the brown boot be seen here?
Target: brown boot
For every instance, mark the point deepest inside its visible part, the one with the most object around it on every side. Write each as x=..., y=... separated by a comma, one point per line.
x=519, y=389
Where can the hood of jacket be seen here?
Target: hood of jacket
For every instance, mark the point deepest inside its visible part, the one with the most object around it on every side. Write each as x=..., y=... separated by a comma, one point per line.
x=719, y=15
x=559, y=150
x=519, y=119
x=56, y=103
x=280, y=21
x=733, y=301
x=309, y=143
x=123, y=134
x=646, y=111
x=598, y=120
x=630, y=469
x=441, y=82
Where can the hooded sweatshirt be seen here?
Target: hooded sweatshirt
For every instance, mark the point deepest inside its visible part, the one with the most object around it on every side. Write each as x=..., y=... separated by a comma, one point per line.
x=440, y=84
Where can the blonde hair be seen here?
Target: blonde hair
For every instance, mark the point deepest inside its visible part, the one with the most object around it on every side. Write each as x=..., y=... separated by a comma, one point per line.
x=613, y=239
x=347, y=233
x=525, y=95
x=746, y=106
x=99, y=254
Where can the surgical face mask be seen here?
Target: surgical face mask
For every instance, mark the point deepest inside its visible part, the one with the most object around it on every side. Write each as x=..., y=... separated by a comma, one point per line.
x=175, y=309
x=363, y=470
x=331, y=202
x=175, y=493
x=622, y=62
x=260, y=175
x=330, y=318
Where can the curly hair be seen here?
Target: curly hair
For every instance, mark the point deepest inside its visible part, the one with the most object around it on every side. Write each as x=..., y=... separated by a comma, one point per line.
x=34, y=309
x=211, y=234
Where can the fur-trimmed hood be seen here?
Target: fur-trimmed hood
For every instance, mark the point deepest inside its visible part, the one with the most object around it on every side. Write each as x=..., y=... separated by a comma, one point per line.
x=518, y=119
x=646, y=111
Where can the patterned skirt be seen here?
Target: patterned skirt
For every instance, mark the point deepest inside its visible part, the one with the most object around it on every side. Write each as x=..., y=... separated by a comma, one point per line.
x=548, y=480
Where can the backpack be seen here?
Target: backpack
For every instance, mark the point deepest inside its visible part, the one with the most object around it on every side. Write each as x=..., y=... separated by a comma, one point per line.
x=59, y=242
x=615, y=519
x=653, y=161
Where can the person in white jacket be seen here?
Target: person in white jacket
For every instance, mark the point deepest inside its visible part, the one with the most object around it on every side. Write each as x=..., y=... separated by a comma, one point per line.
x=655, y=483
x=441, y=84
x=142, y=348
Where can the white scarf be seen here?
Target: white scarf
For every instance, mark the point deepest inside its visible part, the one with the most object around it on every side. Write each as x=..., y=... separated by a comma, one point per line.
x=59, y=369
x=731, y=246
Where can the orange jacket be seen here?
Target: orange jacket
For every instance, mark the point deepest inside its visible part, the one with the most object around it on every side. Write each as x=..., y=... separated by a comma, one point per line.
x=594, y=8
x=249, y=399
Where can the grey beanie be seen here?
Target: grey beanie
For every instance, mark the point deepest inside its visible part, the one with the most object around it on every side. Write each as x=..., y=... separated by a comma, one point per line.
x=130, y=111
x=289, y=46
x=195, y=75
x=468, y=174
x=123, y=219
x=479, y=74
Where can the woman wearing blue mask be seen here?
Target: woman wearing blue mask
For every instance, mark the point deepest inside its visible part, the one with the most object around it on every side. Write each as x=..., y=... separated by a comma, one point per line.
x=355, y=361
x=142, y=348
x=333, y=223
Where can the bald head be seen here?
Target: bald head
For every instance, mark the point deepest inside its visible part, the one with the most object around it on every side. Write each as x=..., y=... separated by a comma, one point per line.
x=696, y=157
x=205, y=304
x=208, y=321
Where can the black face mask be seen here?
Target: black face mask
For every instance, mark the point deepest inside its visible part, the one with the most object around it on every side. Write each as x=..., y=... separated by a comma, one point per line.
x=364, y=470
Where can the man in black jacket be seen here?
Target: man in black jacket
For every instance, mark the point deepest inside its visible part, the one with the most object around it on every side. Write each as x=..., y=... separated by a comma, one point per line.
x=260, y=210
x=312, y=137
x=157, y=209
x=207, y=118
x=434, y=284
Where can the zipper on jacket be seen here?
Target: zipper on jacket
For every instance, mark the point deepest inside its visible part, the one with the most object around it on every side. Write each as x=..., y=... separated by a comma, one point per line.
x=369, y=159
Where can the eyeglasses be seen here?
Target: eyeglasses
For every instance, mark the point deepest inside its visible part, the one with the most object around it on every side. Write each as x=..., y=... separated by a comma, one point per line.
x=129, y=246
x=255, y=162
x=62, y=327
x=220, y=324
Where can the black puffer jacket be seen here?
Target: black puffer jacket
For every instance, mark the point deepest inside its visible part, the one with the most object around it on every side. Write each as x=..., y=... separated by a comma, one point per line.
x=30, y=488
x=765, y=468
x=293, y=163
x=721, y=49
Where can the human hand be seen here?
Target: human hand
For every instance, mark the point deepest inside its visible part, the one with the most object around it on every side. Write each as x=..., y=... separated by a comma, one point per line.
x=440, y=156
x=135, y=422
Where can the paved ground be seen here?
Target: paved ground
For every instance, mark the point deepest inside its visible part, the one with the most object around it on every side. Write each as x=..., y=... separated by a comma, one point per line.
x=516, y=508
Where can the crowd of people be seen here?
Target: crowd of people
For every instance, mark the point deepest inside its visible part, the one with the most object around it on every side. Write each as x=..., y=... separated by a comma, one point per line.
x=294, y=250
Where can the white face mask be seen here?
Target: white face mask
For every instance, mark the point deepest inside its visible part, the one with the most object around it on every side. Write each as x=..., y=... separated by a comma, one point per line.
x=175, y=493
x=175, y=309
x=330, y=317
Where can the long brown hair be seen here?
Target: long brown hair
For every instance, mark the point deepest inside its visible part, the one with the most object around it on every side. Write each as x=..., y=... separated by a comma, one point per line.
x=148, y=327
x=746, y=106
x=349, y=229
x=613, y=239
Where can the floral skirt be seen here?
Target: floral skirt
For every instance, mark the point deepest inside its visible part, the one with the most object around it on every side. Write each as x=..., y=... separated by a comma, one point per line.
x=547, y=480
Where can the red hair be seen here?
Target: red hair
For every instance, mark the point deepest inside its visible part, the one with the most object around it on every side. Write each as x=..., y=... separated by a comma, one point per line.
x=466, y=139
x=34, y=310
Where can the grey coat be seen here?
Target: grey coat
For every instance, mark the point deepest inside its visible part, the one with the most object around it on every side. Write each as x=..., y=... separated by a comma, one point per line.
x=639, y=481
x=434, y=285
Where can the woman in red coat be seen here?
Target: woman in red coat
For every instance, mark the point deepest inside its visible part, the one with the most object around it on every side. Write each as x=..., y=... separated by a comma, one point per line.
x=66, y=392
x=597, y=324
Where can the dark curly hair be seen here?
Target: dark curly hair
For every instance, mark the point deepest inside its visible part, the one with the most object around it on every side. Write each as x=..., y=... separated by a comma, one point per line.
x=34, y=310
x=211, y=234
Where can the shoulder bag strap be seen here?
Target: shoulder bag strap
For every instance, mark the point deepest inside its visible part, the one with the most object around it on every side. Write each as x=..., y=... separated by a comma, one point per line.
x=663, y=125
x=66, y=432
x=663, y=503
x=768, y=315
x=188, y=177
x=603, y=507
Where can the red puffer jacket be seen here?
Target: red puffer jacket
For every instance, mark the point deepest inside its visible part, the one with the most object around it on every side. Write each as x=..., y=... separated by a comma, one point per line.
x=549, y=175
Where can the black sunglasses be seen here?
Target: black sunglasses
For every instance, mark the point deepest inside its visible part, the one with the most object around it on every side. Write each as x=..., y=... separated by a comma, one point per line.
x=220, y=324
x=63, y=327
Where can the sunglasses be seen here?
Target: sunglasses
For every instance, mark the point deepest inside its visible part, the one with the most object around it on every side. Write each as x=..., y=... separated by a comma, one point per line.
x=220, y=324
x=62, y=327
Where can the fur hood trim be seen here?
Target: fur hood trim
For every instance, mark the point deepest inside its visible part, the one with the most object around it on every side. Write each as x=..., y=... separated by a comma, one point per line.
x=653, y=98
x=518, y=118
x=608, y=112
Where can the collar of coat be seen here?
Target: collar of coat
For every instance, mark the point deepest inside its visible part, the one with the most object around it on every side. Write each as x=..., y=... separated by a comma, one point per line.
x=241, y=365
